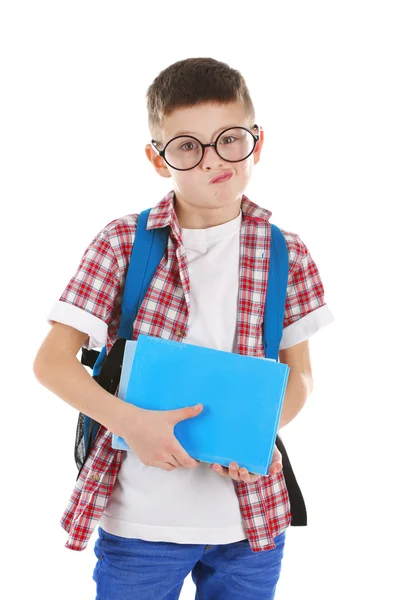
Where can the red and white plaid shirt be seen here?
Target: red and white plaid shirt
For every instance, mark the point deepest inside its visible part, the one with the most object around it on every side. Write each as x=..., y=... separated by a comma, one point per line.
x=92, y=299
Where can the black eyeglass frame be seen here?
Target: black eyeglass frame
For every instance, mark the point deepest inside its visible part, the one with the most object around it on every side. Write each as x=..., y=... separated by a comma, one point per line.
x=161, y=153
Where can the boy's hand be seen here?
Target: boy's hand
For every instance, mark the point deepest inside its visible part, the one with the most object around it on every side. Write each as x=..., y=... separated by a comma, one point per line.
x=150, y=434
x=243, y=474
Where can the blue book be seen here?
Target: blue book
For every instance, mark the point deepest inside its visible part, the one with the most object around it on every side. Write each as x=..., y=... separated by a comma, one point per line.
x=242, y=398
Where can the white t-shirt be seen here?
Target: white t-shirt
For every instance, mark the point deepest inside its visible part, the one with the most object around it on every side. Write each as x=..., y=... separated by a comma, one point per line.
x=189, y=506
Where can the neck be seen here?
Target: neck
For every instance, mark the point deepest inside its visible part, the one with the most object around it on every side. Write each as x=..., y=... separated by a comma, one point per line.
x=196, y=217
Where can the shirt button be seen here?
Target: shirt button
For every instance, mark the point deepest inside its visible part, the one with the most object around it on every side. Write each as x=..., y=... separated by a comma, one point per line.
x=95, y=477
x=180, y=333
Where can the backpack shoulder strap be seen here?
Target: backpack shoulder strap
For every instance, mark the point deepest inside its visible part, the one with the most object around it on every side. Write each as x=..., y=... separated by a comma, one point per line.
x=273, y=318
x=148, y=249
x=276, y=293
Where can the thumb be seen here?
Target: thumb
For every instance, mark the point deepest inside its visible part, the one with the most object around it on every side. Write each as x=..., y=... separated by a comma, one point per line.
x=180, y=414
x=276, y=455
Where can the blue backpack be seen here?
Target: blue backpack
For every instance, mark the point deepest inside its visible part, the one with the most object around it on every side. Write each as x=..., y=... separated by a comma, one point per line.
x=148, y=250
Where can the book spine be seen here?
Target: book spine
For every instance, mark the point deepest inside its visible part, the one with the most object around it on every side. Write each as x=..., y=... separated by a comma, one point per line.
x=278, y=415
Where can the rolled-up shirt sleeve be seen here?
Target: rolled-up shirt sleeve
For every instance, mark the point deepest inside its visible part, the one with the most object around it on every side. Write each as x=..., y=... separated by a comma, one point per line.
x=87, y=302
x=305, y=308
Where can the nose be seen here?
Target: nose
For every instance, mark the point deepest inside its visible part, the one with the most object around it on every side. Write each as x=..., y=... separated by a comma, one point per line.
x=211, y=158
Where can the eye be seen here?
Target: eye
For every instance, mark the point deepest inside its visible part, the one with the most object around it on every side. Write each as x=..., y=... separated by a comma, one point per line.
x=184, y=146
x=228, y=137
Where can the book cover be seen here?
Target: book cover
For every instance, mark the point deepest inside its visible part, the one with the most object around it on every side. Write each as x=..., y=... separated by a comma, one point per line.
x=242, y=398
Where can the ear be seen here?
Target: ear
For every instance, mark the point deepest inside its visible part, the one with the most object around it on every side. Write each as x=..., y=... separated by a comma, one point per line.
x=156, y=160
x=259, y=145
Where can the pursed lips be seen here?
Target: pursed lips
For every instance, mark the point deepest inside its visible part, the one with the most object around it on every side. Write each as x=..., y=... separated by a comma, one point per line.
x=221, y=177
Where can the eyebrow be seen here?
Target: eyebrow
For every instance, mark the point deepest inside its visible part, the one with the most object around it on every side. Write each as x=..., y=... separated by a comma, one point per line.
x=193, y=133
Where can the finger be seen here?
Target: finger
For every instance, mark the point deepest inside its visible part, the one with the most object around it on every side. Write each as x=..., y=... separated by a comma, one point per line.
x=275, y=467
x=276, y=455
x=174, y=461
x=183, y=458
x=171, y=461
x=186, y=461
x=248, y=477
x=220, y=470
x=237, y=474
x=189, y=462
x=166, y=466
x=234, y=471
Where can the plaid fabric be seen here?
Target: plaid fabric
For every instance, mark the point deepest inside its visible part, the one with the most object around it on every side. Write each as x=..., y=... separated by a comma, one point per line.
x=96, y=288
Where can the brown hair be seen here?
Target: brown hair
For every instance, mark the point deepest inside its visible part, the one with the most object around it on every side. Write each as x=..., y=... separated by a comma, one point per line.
x=193, y=81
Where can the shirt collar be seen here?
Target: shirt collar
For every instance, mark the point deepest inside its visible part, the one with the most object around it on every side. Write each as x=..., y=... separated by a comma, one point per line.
x=163, y=213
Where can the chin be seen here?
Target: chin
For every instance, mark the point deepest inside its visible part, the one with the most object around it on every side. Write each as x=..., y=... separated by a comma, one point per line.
x=227, y=196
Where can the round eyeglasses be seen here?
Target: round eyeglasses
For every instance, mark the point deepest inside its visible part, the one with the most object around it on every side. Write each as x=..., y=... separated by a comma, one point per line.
x=185, y=152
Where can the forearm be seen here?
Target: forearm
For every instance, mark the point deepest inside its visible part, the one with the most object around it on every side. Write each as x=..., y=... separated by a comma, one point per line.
x=66, y=377
x=298, y=388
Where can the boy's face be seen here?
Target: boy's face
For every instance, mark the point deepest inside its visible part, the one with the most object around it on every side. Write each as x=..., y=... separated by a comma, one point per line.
x=192, y=187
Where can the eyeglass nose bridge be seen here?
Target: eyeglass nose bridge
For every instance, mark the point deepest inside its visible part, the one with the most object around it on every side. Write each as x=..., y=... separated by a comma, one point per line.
x=204, y=146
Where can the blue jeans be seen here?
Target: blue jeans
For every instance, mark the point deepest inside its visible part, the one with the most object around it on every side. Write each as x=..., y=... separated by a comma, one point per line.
x=130, y=568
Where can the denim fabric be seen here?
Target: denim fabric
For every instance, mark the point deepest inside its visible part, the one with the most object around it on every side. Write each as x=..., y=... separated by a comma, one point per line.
x=130, y=568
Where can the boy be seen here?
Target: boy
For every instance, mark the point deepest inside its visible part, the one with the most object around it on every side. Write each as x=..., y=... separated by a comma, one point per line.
x=162, y=514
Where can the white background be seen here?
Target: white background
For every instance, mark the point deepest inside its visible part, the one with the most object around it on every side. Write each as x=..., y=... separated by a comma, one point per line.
x=324, y=78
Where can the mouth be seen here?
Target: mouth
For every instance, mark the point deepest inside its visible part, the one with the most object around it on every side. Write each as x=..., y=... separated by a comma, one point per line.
x=221, y=178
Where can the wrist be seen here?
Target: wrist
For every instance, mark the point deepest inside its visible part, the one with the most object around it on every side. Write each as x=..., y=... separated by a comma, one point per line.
x=121, y=414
